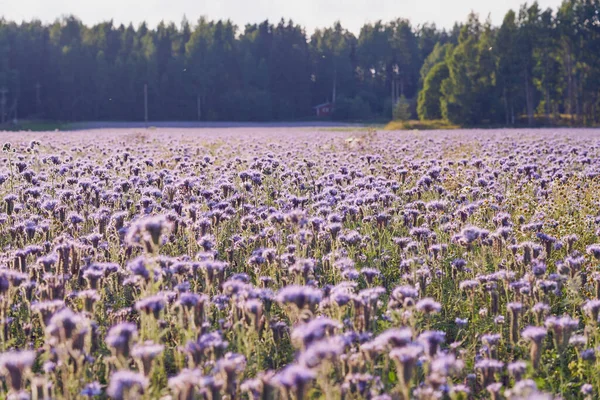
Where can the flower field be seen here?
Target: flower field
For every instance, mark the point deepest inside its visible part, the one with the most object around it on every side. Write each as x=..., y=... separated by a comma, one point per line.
x=300, y=264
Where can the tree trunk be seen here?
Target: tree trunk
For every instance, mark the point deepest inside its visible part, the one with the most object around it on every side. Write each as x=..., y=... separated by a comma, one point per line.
x=578, y=93
x=512, y=113
x=547, y=108
x=333, y=95
x=505, y=105
x=569, y=85
x=528, y=99
x=198, y=107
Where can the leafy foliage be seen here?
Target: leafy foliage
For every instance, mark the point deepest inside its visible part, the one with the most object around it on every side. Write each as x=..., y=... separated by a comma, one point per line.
x=429, y=107
x=538, y=66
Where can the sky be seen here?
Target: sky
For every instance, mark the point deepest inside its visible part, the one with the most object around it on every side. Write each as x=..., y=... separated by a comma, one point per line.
x=311, y=14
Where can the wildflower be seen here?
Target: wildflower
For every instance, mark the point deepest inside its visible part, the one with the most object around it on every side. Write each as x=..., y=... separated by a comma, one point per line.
x=183, y=384
x=89, y=297
x=403, y=296
x=578, y=341
x=428, y=306
x=431, y=341
x=153, y=304
x=146, y=353
x=491, y=339
x=461, y=322
x=137, y=266
x=405, y=359
x=126, y=384
x=47, y=309
x=540, y=309
x=548, y=241
x=303, y=267
x=535, y=335
x=458, y=264
x=468, y=285
x=359, y=383
x=592, y=309
x=300, y=296
x=91, y=390
x=460, y=391
x=48, y=261
x=254, y=310
x=119, y=338
x=393, y=338
x=370, y=274
x=587, y=389
x=515, y=309
x=10, y=203
x=469, y=235
x=147, y=232
x=561, y=327
x=15, y=365
x=494, y=390
x=294, y=379
x=328, y=349
x=588, y=355
x=231, y=365
x=488, y=368
x=594, y=250
x=446, y=365
x=570, y=240
x=63, y=325
x=527, y=388
x=316, y=329
x=517, y=369
x=208, y=345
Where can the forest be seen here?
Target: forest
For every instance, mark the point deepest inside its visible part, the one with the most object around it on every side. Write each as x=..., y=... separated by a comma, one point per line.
x=538, y=65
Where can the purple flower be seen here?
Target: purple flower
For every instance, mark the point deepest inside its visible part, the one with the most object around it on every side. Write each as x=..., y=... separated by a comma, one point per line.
x=406, y=359
x=295, y=378
x=153, y=304
x=587, y=389
x=428, y=306
x=126, y=384
x=301, y=296
x=592, y=309
x=91, y=390
x=316, y=329
x=119, y=338
x=14, y=364
x=146, y=353
x=431, y=340
x=594, y=250
x=393, y=338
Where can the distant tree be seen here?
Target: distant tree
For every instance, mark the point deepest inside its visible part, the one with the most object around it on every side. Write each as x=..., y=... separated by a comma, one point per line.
x=401, y=110
x=333, y=63
x=468, y=94
x=428, y=105
x=290, y=74
x=352, y=109
x=509, y=78
x=547, y=69
x=437, y=55
x=199, y=64
x=537, y=60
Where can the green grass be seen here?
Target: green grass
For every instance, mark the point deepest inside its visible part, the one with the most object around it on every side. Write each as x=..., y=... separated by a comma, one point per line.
x=419, y=125
x=539, y=121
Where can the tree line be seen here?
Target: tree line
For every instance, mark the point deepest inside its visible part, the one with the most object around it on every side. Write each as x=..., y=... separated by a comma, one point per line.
x=538, y=63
